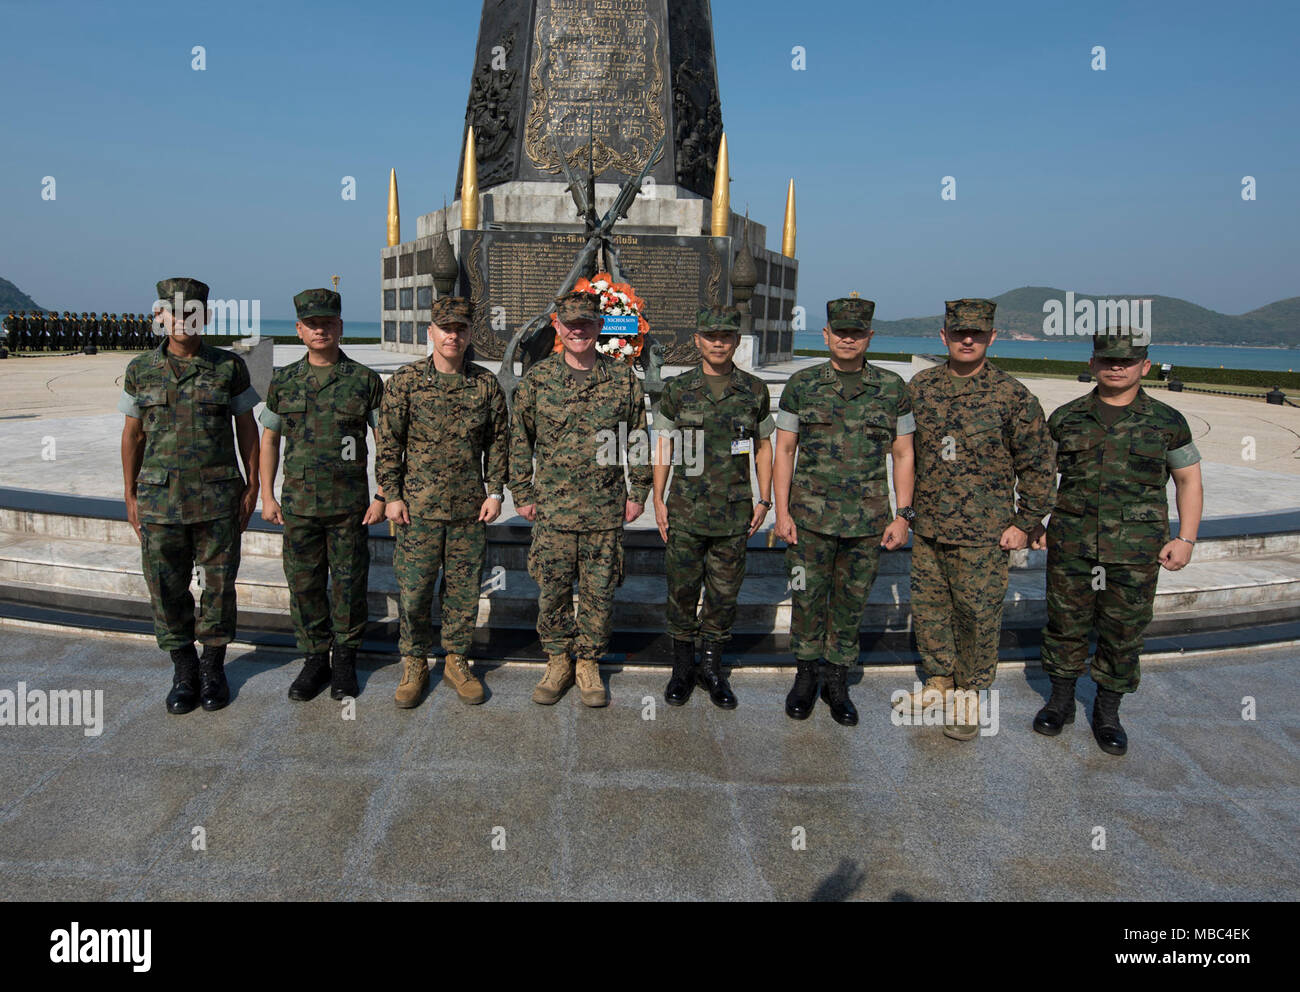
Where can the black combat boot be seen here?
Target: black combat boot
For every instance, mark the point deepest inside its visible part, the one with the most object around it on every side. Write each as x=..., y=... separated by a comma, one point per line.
x=314, y=677
x=1059, y=709
x=682, y=684
x=1105, y=722
x=214, y=690
x=709, y=675
x=185, y=683
x=343, y=680
x=803, y=697
x=835, y=694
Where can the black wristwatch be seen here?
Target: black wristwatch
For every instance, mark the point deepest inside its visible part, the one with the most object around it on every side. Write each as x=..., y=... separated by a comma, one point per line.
x=765, y=502
x=907, y=513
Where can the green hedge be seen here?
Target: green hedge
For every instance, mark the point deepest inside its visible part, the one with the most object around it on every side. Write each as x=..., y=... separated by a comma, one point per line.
x=223, y=341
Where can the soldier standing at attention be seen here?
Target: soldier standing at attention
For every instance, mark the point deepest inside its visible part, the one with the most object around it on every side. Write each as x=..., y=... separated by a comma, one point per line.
x=981, y=438
x=567, y=409
x=723, y=418
x=1109, y=532
x=11, y=331
x=184, y=494
x=443, y=449
x=321, y=406
x=842, y=417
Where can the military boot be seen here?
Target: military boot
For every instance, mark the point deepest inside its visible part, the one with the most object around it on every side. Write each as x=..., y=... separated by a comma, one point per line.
x=558, y=678
x=682, y=684
x=835, y=693
x=315, y=675
x=185, y=682
x=803, y=697
x=590, y=686
x=1059, y=711
x=1105, y=722
x=214, y=690
x=456, y=670
x=934, y=692
x=343, y=673
x=709, y=675
x=415, y=676
x=961, y=720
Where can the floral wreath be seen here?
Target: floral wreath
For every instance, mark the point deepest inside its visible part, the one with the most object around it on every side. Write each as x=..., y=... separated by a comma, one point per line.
x=616, y=299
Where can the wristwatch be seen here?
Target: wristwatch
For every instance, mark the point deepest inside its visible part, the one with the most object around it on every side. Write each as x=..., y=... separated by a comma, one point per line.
x=379, y=499
x=496, y=496
x=907, y=513
x=765, y=502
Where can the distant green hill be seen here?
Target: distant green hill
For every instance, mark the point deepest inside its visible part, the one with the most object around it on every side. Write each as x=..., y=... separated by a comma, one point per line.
x=13, y=298
x=1174, y=321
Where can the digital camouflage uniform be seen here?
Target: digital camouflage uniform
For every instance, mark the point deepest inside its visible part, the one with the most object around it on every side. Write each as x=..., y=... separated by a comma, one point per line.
x=578, y=487
x=443, y=448
x=839, y=496
x=709, y=509
x=1109, y=524
x=326, y=487
x=189, y=483
x=980, y=441
x=11, y=331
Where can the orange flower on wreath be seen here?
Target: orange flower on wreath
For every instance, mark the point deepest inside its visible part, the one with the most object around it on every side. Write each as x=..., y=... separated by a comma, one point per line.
x=615, y=298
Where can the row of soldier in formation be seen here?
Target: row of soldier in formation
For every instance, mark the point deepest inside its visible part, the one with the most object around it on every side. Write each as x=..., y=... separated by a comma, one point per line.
x=975, y=465
x=33, y=330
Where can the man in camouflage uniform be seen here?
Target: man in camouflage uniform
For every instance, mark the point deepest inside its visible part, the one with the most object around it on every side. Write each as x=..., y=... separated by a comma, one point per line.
x=443, y=449
x=576, y=410
x=713, y=419
x=1109, y=532
x=11, y=331
x=54, y=332
x=20, y=340
x=185, y=496
x=981, y=438
x=321, y=406
x=842, y=417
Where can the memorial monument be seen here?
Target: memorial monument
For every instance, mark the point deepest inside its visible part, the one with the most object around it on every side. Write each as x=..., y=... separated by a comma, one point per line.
x=569, y=96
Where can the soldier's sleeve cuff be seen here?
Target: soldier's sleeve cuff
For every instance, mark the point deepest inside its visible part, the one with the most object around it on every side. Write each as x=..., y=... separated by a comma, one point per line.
x=906, y=425
x=270, y=420
x=373, y=418
x=663, y=423
x=522, y=495
x=126, y=404
x=787, y=421
x=245, y=401
x=1184, y=456
x=766, y=428
x=1026, y=522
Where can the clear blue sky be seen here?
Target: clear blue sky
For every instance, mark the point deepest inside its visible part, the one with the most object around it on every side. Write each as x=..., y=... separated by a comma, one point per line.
x=1122, y=181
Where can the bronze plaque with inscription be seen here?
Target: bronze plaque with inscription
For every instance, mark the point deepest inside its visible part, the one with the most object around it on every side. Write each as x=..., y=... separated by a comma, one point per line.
x=512, y=276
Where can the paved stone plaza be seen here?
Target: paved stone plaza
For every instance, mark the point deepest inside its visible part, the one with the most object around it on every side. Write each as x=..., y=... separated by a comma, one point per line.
x=297, y=803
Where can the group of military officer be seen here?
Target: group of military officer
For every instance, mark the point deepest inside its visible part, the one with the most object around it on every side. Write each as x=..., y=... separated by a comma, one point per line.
x=33, y=330
x=974, y=466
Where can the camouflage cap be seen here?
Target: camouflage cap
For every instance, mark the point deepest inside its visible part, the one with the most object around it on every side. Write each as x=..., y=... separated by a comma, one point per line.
x=318, y=303
x=189, y=289
x=452, y=310
x=578, y=306
x=1117, y=342
x=968, y=315
x=850, y=313
x=718, y=319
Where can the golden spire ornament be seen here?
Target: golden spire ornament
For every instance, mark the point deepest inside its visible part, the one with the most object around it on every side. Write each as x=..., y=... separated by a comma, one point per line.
x=394, y=215
x=722, y=191
x=788, y=232
x=469, y=186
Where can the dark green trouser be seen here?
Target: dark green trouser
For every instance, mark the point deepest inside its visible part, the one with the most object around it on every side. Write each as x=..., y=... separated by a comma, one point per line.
x=830, y=579
x=717, y=563
x=459, y=549
x=168, y=554
x=957, y=597
x=317, y=549
x=1120, y=611
x=595, y=558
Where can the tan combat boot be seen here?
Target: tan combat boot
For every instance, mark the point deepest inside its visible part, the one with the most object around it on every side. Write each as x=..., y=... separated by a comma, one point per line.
x=961, y=720
x=558, y=677
x=415, y=676
x=934, y=692
x=456, y=670
x=589, y=683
